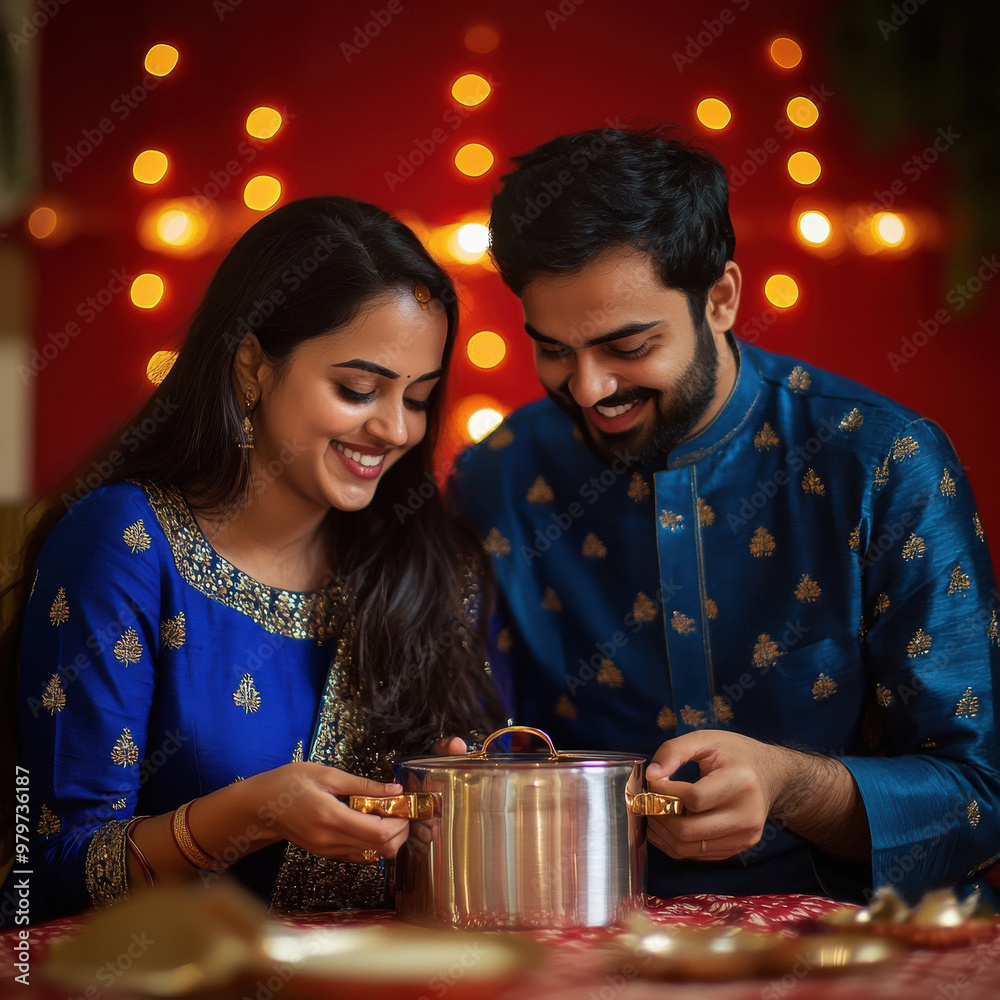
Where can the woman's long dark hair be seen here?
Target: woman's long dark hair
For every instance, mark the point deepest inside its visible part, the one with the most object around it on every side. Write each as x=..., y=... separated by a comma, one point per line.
x=305, y=270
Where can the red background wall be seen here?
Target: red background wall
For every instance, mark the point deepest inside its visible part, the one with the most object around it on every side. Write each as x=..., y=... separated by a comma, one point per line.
x=348, y=122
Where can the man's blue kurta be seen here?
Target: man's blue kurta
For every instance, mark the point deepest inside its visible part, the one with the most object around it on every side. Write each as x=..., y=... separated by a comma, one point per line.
x=810, y=571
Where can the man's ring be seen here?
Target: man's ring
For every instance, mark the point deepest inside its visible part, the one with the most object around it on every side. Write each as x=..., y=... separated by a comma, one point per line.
x=703, y=848
x=371, y=856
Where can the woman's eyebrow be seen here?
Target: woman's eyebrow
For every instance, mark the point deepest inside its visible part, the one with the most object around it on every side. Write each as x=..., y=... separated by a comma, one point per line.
x=369, y=366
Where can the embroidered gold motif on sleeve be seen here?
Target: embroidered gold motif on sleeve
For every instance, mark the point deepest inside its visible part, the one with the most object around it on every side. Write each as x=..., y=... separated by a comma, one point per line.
x=125, y=753
x=119, y=804
x=765, y=438
x=593, y=547
x=706, y=516
x=693, y=717
x=246, y=696
x=919, y=645
x=824, y=687
x=808, y=591
x=644, y=610
x=297, y=757
x=972, y=811
x=59, y=612
x=136, y=537
x=762, y=543
x=666, y=718
x=682, y=625
x=882, y=603
x=609, y=675
x=540, y=492
x=799, y=379
x=929, y=745
x=766, y=652
x=495, y=544
x=883, y=695
x=914, y=548
x=128, y=648
x=811, y=483
x=722, y=709
x=106, y=866
x=993, y=629
x=550, y=600
x=500, y=438
x=638, y=488
x=173, y=632
x=882, y=474
x=49, y=823
x=671, y=521
x=54, y=695
x=947, y=485
x=505, y=640
x=854, y=538
x=565, y=708
x=711, y=609
x=959, y=582
x=968, y=704
x=851, y=421
x=904, y=447
x=978, y=525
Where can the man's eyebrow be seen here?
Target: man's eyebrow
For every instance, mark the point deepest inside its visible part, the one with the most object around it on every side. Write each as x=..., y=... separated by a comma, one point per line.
x=628, y=330
x=369, y=366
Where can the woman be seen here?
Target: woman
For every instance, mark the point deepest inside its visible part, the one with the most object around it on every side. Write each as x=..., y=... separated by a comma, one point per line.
x=247, y=599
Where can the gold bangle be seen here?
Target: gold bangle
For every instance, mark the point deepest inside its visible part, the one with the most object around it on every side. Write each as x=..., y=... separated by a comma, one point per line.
x=188, y=846
x=140, y=858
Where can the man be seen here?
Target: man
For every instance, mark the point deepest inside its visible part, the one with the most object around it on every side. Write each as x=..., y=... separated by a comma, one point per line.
x=767, y=577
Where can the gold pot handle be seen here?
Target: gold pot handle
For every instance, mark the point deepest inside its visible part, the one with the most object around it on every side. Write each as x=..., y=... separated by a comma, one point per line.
x=653, y=804
x=409, y=805
x=484, y=753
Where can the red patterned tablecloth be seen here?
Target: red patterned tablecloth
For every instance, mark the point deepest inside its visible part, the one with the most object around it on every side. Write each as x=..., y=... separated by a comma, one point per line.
x=576, y=963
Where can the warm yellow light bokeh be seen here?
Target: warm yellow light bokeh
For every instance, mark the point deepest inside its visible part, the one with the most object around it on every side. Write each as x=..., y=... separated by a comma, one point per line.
x=888, y=228
x=814, y=228
x=473, y=237
x=482, y=38
x=262, y=192
x=781, y=291
x=804, y=168
x=470, y=89
x=263, y=122
x=175, y=227
x=486, y=349
x=161, y=59
x=785, y=52
x=482, y=422
x=802, y=112
x=147, y=290
x=713, y=113
x=150, y=166
x=474, y=159
x=42, y=222
x=159, y=365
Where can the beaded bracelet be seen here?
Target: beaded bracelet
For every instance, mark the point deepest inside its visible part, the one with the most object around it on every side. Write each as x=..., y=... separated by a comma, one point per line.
x=188, y=846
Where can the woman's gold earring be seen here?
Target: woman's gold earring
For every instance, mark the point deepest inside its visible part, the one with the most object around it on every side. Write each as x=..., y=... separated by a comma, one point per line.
x=247, y=443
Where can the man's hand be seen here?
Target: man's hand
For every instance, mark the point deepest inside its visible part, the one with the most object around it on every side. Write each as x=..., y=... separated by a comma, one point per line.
x=744, y=782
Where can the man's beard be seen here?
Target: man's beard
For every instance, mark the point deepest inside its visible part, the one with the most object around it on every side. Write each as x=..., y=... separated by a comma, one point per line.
x=678, y=412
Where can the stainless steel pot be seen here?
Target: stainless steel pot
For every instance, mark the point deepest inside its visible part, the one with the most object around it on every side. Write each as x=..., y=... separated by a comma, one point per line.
x=505, y=840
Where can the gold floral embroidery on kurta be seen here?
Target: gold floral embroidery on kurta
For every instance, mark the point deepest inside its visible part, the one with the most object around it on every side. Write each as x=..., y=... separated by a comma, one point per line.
x=136, y=537
x=882, y=474
x=297, y=753
x=959, y=582
x=125, y=753
x=128, y=649
x=978, y=525
x=106, y=865
x=904, y=447
x=593, y=547
x=59, y=612
x=610, y=675
x=682, y=625
x=972, y=811
x=765, y=438
x=993, y=629
x=929, y=744
x=173, y=632
x=495, y=544
x=499, y=439
x=671, y=521
x=711, y=609
x=565, y=708
x=811, y=483
x=919, y=645
x=762, y=543
x=862, y=630
x=666, y=718
x=706, y=516
x=854, y=539
x=799, y=379
x=643, y=609
x=693, y=717
x=246, y=696
x=947, y=485
x=550, y=600
x=882, y=603
x=808, y=591
x=540, y=492
x=914, y=548
x=851, y=421
x=49, y=823
x=883, y=695
x=824, y=687
x=638, y=488
x=54, y=695
x=968, y=704
x=505, y=640
x=721, y=709
x=766, y=651
x=119, y=804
